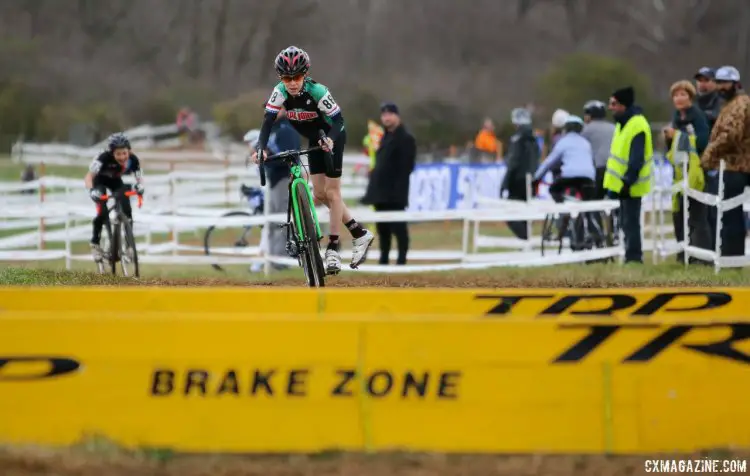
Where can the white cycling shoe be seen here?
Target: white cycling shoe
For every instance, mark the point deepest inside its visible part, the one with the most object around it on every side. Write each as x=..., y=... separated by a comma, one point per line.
x=333, y=262
x=360, y=246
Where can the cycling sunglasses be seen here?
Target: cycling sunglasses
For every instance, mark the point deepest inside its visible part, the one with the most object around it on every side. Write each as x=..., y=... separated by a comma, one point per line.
x=289, y=79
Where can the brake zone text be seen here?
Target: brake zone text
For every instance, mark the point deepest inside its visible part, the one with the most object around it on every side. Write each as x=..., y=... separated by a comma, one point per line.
x=274, y=382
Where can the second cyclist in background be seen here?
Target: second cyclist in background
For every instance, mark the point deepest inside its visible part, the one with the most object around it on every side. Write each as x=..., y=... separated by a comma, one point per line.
x=105, y=172
x=571, y=162
x=311, y=107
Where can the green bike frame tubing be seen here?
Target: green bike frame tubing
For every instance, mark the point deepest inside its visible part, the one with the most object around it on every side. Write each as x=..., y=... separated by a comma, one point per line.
x=296, y=173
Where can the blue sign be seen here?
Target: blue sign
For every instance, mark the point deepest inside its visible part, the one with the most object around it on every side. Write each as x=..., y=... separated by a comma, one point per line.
x=438, y=187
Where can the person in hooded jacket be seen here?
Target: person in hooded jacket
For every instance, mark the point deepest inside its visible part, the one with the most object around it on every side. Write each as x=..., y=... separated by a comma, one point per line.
x=686, y=139
x=522, y=159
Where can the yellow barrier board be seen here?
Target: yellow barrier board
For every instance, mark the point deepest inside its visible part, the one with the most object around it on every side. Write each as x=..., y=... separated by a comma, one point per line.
x=499, y=304
x=243, y=385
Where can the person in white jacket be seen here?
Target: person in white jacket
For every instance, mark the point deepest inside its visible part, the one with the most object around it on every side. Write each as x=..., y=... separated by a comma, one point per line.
x=571, y=163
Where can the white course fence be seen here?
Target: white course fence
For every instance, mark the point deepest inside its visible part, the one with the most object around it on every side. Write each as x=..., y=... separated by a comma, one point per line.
x=193, y=199
x=184, y=201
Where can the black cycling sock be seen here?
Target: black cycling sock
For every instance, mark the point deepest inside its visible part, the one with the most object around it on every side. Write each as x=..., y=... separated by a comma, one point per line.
x=333, y=242
x=355, y=228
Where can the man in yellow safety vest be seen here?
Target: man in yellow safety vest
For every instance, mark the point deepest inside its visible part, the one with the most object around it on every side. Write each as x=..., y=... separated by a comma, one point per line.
x=628, y=173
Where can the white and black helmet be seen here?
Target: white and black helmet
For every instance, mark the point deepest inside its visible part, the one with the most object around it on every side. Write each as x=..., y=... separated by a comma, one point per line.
x=595, y=109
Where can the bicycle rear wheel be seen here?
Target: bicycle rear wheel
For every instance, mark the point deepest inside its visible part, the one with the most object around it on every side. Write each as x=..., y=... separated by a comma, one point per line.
x=128, y=251
x=549, y=228
x=312, y=261
x=211, y=233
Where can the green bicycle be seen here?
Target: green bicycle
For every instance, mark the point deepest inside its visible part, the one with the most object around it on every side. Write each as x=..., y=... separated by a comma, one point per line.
x=303, y=229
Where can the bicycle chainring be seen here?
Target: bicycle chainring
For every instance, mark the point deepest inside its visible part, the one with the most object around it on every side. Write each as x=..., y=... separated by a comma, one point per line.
x=293, y=248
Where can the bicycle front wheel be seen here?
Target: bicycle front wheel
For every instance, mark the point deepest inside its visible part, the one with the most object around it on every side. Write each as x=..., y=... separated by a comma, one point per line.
x=128, y=252
x=105, y=244
x=312, y=261
x=212, y=240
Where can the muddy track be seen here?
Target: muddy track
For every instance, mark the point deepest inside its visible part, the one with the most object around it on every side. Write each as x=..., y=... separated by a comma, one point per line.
x=39, y=462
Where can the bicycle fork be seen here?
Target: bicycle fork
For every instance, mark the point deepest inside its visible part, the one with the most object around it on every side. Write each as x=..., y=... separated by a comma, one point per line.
x=292, y=243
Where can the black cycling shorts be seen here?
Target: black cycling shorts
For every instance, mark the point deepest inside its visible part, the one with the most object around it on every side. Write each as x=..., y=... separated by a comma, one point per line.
x=316, y=161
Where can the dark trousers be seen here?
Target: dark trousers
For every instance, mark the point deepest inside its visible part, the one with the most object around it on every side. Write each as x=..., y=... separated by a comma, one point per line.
x=581, y=184
x=733, y=229
x=600, y=192
x=630, y=220
x=712, y=187
x=387, y=229
x=698, y=230
x=517, y=191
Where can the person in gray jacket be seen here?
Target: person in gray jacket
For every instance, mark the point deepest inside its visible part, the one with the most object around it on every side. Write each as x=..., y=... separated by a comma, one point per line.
x=599, y=133
x=523, y=158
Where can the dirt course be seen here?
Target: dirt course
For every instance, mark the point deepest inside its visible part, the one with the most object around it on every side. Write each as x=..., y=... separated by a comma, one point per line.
x=37, y=462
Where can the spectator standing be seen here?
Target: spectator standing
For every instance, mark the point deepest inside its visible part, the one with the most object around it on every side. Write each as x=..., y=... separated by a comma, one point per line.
x=730, y=140
x=486, y=143
x=522, y=159
x=283, y=137
x=708, y=98
x=388, y=188
x=686, y=139
x=28, y=175
x=371, y=142
x=710, y=102
x=598, y=131
x=628, y=174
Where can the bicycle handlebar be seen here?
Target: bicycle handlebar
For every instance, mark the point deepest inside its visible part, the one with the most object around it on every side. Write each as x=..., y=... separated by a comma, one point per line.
x=284, y=155
x=128, y=194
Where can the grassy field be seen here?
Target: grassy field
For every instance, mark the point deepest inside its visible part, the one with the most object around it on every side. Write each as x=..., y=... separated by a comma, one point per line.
x=12, y=172
x=573, y=276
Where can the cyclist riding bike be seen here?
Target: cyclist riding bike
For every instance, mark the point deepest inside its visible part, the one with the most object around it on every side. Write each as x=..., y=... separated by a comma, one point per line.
x=311, y=107
x=105, y=172
x=572, y=163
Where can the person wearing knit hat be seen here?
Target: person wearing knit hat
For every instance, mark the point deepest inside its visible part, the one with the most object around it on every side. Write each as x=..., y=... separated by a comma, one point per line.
x=628, y=173
x=625, y=96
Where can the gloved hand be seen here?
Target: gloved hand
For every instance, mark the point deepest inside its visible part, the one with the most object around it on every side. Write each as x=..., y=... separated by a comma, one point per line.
x=612, y=195
x=96, y=195
x=535, y=187
x=139, y=188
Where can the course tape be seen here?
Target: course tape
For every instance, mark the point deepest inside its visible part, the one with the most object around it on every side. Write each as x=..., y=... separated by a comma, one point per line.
x=636, y=305
x=222, y=383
